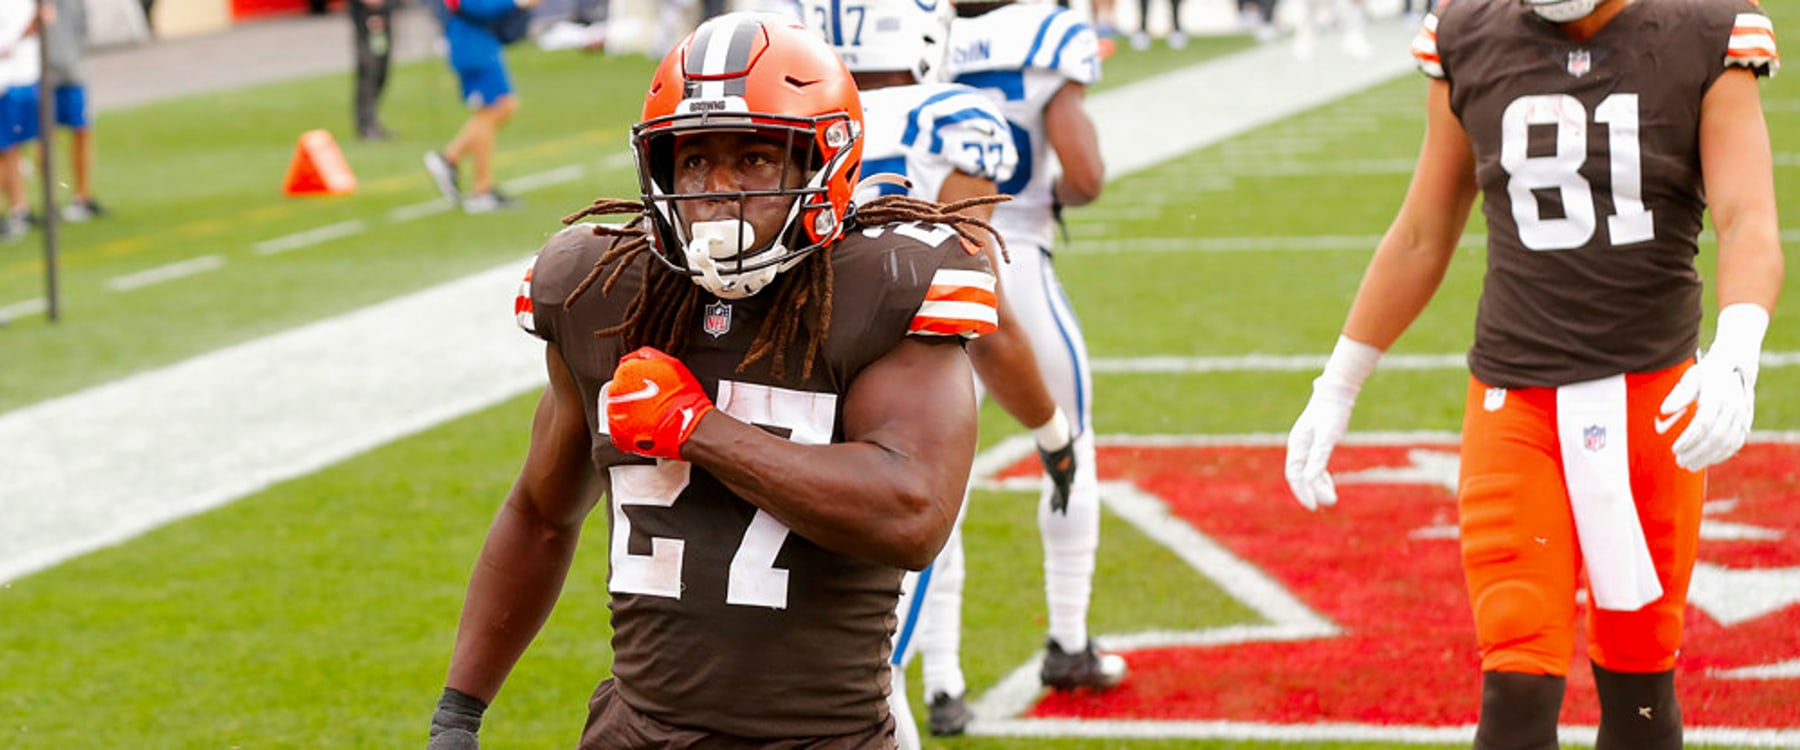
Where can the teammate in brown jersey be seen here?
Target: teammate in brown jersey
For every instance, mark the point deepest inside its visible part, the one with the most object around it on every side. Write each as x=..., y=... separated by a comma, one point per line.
x=768, y=387
x=1597, y=131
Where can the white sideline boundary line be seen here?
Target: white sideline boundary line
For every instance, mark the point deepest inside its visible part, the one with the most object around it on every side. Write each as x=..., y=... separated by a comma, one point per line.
x=101, y=466
x=997, y=710
x=1314, y=362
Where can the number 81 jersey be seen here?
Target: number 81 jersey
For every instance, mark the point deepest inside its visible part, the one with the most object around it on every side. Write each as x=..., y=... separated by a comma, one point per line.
x=1587, y=155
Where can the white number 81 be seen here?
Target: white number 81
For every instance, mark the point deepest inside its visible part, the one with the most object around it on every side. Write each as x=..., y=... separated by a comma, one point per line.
x=1561, y=171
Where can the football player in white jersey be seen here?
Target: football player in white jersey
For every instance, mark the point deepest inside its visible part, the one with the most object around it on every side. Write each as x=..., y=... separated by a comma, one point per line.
x=947, y=142
x=1036, y=61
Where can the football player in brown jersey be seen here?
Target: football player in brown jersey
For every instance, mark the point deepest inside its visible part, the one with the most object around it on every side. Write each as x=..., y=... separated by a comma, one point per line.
x=1597, y=133
x=768, y=388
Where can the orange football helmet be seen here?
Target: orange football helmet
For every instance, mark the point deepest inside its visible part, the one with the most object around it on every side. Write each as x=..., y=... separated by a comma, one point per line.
x=755, y=72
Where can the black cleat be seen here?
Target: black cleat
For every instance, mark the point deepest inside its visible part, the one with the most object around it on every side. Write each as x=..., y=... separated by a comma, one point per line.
x=1087, y=668
x=950, y=715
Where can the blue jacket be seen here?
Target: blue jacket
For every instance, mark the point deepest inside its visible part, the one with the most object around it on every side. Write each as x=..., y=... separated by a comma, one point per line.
x=472, y=45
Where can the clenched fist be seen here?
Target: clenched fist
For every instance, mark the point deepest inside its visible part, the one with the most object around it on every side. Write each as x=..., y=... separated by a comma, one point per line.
x=653, y=404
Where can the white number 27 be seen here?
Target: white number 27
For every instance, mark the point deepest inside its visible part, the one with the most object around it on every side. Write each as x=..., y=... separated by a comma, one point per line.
x=1561, y=171
x=753, y=579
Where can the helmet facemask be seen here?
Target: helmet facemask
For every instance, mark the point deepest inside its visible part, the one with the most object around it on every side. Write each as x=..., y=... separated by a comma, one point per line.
x=724, y=254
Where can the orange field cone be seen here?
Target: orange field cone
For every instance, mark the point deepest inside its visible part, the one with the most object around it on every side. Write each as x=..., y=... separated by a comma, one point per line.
x=319, y=167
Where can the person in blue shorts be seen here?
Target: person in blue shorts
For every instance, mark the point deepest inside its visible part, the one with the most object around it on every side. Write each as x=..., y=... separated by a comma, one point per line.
x=476, y=55
x=67, y=35
x=19, y=70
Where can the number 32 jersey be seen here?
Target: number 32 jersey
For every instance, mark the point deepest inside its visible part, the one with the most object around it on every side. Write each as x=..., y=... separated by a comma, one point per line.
x=723, y=619
x=1588, y=158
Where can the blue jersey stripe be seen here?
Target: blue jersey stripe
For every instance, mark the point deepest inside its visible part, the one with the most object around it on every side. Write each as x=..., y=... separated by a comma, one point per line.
x=910, y=625
x=1010, y=83
x=914, y=117
x=1037, y=43
x=961, y=115
x=1068, y=36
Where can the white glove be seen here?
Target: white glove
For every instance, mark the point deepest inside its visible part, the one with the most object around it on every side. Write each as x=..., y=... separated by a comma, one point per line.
x=1322, y=424
x=1722, y=390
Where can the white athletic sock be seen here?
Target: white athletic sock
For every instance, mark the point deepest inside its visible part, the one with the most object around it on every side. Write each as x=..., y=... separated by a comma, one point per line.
x=940, y=636
x=906, y=730
x=1070, y=542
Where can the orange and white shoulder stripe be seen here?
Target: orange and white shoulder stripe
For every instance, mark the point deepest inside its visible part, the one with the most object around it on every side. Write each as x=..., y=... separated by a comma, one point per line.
x=1425, y=49
x=1753, y=44
x=959, y=302
x=522, y=308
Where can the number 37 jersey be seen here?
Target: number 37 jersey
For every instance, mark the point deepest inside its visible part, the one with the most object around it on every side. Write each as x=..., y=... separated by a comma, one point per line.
x=1588, y=158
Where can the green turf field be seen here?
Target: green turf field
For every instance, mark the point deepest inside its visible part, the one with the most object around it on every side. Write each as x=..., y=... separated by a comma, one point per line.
x=320, y=613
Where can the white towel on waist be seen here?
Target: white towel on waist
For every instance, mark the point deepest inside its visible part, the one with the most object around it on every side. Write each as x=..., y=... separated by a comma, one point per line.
x=1590, y=425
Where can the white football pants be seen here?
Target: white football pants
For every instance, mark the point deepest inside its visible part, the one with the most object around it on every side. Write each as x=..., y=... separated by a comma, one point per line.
x=1070, y=539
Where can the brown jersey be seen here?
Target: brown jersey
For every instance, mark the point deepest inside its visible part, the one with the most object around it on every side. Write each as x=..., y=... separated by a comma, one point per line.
x=723, y=619
x=1587, y=154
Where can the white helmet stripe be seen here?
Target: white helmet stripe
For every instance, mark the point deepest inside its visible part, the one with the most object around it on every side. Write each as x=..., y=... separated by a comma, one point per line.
x=721, y=48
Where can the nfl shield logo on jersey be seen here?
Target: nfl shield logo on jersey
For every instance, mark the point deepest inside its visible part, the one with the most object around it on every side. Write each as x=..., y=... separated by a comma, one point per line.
x=1580, y=62
x=718, y=319
x=1593, y=437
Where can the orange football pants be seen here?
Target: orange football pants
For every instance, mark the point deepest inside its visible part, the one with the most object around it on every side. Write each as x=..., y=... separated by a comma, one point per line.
x=1521, y=558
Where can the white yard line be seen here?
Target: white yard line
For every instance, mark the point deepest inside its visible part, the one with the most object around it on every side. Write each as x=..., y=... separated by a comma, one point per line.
x=169, y=272
x=22, y=308
x=537, y=180
x=1097, y=238
x=1315, y=362
x=310, y=237
x=416, y=211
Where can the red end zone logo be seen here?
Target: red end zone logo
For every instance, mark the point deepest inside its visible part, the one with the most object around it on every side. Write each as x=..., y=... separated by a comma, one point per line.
x=1368, y=633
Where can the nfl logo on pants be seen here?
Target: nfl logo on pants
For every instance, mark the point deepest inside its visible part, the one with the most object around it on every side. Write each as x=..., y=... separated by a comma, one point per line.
x=1593, y=437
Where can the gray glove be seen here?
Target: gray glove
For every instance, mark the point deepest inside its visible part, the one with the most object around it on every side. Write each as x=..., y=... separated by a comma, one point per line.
x=457, y=720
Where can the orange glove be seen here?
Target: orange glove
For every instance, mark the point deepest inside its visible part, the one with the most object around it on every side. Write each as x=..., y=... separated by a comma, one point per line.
x=653, y=404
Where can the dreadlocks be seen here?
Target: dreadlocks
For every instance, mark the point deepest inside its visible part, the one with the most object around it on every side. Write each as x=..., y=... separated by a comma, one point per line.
x=662, y=313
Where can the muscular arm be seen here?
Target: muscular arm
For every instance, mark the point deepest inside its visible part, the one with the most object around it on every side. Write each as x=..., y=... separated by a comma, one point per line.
x=1003, y=359
x=1077, y=146
x=1740, y=190
x=890, y=493
x=523, y=563
x=1409, y=263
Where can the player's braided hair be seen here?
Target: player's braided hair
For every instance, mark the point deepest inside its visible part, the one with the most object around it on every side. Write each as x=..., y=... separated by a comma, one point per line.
x=805, y=289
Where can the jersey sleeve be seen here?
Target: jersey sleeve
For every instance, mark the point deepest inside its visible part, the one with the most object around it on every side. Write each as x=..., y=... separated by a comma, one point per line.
x=960, y=299
x=524, y=307
x=969, y=132
x=1425, y=48
x=558, y=268
x=1067, y=45
x=1752, y=44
